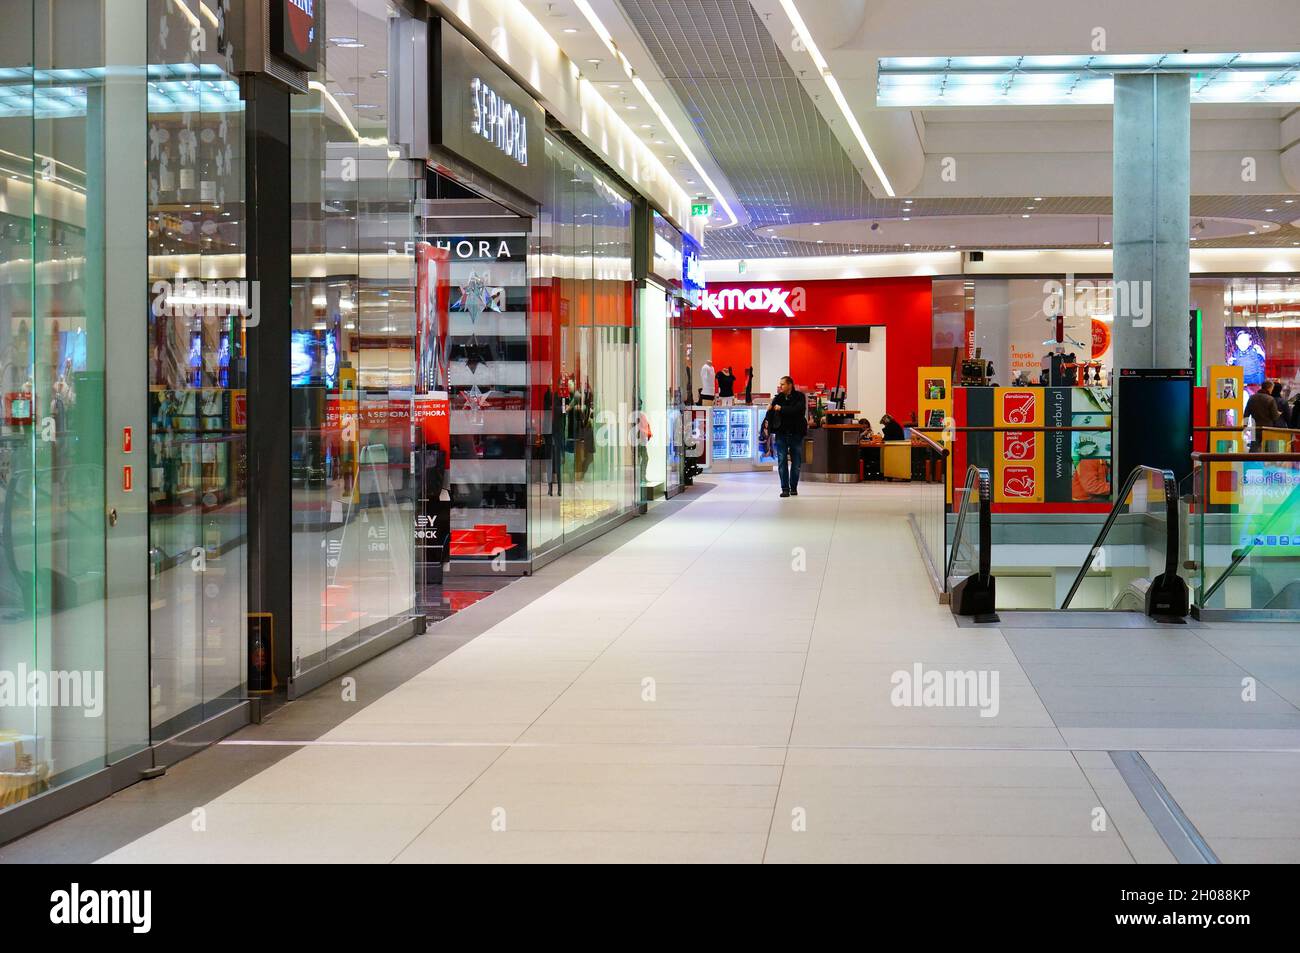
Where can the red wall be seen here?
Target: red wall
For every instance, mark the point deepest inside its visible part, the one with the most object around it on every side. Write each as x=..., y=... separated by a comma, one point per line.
x=814, y=358
x=734, y=347
x=901, y=305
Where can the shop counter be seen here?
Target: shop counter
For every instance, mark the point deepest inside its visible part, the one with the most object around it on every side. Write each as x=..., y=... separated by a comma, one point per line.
x=831, y=454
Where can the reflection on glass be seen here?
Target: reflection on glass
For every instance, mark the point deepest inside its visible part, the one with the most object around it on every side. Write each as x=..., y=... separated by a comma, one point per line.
x=199, y=310
x=584, y=353
x=351, y=348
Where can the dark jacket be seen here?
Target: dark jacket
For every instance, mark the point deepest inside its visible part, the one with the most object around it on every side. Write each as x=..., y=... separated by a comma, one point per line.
x=1263, y=409
x=790, y=416
x=892, y=430
x=726, y=384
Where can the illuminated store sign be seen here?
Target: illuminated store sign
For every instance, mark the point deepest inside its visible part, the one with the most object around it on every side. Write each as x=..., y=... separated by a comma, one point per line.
x=295, y=33
x=483, y=118
x=784, y=301
x=497, y=121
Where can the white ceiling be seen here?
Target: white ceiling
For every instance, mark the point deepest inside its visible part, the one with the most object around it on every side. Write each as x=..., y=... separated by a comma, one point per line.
x=745, y=95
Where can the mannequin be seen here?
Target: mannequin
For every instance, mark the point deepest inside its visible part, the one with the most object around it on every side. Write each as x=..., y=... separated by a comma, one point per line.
x=707, y=377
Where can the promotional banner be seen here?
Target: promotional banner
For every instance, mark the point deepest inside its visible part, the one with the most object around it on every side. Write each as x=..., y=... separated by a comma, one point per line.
x=431, y=419
x=1042, y=467
x=1018, y=455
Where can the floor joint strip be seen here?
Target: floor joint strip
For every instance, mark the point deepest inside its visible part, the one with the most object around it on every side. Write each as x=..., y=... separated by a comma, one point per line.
x=1174, y=827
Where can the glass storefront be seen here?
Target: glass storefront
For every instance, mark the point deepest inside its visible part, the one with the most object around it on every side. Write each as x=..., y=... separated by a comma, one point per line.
x=583, y=365
x=1014, y=324
x=352, y=345
x=127, y=453
x=200, y=308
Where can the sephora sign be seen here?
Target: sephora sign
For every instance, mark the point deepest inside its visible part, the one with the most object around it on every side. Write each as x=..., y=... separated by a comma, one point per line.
x=497, y=121
x=785, y=301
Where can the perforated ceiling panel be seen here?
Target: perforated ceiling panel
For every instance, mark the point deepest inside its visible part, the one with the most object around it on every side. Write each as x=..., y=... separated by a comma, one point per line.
x=751, y=111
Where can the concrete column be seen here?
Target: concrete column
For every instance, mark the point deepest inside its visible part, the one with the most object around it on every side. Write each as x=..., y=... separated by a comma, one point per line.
x=1152, y=208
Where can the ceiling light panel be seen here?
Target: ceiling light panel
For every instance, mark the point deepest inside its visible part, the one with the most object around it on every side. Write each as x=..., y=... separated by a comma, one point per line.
x=929, y=81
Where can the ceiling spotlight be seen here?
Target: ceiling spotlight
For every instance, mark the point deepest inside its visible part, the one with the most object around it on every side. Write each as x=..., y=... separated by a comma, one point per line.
x=1270, y=210
x=875, y=226
x=569, y=29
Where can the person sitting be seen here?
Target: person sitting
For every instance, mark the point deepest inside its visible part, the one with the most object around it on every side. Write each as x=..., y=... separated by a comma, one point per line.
x=866, y=435
x=891, y=429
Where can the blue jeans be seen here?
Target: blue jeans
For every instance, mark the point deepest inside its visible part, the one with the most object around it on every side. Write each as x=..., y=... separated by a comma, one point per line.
x=789, y=458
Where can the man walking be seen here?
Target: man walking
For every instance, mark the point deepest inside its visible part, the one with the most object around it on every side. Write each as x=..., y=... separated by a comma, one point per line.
x=788, y=422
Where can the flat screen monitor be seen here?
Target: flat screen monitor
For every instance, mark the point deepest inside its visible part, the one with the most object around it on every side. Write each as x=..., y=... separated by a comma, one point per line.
x=1155, y=421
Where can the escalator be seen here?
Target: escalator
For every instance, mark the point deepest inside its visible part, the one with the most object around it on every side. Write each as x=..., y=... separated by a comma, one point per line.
x=1130, y=565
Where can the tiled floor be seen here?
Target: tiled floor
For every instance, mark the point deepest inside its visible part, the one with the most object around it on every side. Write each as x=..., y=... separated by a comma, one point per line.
x=719, y=684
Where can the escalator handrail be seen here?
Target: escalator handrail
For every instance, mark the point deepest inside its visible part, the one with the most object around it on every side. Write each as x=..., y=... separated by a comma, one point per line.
x=976, y=477
x=1171, y=525
x=930, y=443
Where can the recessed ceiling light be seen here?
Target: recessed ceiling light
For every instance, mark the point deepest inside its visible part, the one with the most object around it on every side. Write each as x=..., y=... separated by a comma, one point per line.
x=1026, y=215
x=821, y=241
x=570, y=29
x=816, y=223
x=1038, y=198
x=907, y=201
x=594, y=62
x=856, y=250
x=952, y=246
x=645, y=125
x=1270, y=210
x=907, y=244
x=907, y=218
x=631, y=106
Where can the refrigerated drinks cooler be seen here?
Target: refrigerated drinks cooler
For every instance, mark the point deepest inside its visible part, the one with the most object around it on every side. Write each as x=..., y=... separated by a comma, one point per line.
x=733, y=443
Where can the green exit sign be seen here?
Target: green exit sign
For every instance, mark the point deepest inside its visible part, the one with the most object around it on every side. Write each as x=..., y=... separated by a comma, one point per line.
x=701, y=210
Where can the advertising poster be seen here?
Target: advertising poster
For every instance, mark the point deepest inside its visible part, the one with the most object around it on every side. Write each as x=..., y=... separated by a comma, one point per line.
x=1018, y=475
x=1246, y=348
x=1090, y=452
x=431, y=419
